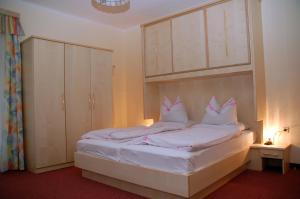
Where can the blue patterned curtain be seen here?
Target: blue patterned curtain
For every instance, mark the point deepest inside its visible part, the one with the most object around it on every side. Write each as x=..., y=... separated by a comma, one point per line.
x=11, y=121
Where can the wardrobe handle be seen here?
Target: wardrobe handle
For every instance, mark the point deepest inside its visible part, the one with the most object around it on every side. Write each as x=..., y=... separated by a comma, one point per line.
x=63, y=103
x=93, y=101
x=90, y=101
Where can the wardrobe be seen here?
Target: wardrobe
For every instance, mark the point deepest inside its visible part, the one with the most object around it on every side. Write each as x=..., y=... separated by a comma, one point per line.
x=67, y=91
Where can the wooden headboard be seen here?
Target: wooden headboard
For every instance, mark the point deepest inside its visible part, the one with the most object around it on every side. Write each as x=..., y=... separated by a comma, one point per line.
x=196, y=93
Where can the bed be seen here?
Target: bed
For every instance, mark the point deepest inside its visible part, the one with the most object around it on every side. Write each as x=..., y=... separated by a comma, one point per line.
x=157, y=172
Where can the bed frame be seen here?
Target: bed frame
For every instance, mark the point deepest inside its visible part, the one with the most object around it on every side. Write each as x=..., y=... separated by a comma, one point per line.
x=157, y=184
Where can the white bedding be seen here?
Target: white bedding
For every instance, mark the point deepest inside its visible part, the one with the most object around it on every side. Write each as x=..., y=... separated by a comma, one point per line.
x=103, y=148
x=165, y=159
x=195, y=138
x=125, y=134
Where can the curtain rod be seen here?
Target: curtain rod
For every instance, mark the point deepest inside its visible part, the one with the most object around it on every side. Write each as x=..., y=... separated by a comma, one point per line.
x=9, y=13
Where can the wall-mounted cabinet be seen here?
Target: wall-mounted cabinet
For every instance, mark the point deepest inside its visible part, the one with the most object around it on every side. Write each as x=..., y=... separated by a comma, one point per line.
x=206, y=38
x=227, y=34
x=158, y=49
x=189, y=45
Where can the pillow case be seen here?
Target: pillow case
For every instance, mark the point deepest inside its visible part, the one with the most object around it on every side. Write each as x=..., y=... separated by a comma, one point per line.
x=173, y=112
x=216, y=115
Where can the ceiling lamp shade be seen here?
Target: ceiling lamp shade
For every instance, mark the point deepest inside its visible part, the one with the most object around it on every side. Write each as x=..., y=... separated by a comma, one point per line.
x=111, y=6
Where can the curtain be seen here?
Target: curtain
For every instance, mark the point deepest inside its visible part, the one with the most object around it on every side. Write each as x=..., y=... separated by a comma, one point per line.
x=11, y=121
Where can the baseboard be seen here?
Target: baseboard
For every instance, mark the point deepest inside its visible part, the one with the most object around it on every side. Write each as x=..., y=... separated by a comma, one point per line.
x=51, y=168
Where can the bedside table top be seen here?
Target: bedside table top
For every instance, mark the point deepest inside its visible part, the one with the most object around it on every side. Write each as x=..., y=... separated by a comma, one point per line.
x=273, y=146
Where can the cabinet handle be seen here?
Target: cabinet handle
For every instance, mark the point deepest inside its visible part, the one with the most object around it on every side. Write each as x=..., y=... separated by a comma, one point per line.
x=63, y=104
x=93, y=101
x=90, y=101
x=226, y=34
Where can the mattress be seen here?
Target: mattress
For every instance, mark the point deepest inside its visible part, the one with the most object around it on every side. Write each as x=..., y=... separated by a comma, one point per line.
x=165, y=159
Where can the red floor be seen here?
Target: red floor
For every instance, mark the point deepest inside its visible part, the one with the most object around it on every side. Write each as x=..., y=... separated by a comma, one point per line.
x=68, y=183
x=261, y=185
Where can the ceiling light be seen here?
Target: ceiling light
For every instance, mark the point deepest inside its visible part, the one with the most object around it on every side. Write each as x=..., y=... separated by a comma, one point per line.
x=111, y=6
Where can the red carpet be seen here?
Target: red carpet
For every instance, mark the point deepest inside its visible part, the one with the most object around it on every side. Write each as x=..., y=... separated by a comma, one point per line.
x=261, y=185
x=68, y=184
x=60, y=184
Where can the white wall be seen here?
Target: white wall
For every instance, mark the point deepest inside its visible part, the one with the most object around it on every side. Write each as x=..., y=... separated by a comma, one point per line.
x=281, y=34
x=40, y=21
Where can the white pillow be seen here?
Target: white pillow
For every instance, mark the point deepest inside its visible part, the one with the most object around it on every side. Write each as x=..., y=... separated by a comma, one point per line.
x=173, y=112
x=216, y=115
x=213, y=106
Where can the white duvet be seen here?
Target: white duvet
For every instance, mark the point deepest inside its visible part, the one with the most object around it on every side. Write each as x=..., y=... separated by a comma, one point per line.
x=197, y=137
x=126, y=134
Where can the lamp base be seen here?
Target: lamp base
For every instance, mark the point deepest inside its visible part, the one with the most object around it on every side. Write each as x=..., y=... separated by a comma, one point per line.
x=269, y=142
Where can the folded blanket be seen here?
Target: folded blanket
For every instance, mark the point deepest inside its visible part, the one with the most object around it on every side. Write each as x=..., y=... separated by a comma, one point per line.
x=195, y=138
x=126, y=134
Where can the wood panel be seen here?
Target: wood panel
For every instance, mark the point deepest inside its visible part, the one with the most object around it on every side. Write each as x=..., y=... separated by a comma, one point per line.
x=130, y=187
x=78, y=95
x=156, y=184
x=101, y=85
x=227, y=29
x=189, y=47
x=151, y=101
x=213, y=72
x=28, y=102
x=155, y=194
x=222, y=168
x=158, y=49
x=156, y=179
x=64, y=42
x=50, y=137
x=51, y=168
x=196, y=94
x=257, y=52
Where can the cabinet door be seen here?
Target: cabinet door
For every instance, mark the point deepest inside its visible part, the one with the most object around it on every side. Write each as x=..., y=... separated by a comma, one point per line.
x=228, y=34
x=78, y=95
x=158, y=49
x=189, y=48
x=49, y=107
x=102, y=101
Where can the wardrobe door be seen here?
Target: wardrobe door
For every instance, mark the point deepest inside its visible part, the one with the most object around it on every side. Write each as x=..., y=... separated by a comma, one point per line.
x=228, y=34
x=189, y=48
x=50, y=137
x=158, y=49
x=78, y=95
x=102, y=102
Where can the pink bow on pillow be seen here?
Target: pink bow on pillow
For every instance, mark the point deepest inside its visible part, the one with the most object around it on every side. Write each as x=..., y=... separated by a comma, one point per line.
x=217, y=115
x=173, y=112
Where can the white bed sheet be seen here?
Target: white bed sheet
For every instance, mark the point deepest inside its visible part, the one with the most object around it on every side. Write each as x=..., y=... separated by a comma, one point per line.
x=170, y=160
x=100, y=147
x=183, y=162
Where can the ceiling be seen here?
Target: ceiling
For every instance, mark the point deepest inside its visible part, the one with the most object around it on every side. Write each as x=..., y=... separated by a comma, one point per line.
x=141, y=11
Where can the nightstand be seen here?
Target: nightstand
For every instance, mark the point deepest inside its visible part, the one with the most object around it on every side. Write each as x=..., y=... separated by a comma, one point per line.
x=260, y=153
